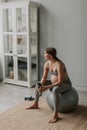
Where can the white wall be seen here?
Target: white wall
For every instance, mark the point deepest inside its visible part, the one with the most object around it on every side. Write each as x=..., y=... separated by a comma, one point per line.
x=63, y=24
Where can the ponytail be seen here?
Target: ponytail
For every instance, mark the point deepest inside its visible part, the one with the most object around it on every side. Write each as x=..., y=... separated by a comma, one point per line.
x=56, y=58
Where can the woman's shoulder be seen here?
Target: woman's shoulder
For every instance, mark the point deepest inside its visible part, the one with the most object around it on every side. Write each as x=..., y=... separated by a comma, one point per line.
x=46, y=64
x=59, y=63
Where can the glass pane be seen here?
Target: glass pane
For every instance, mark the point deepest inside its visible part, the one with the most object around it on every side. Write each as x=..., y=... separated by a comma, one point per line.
x=22, y=68
x=21, y=44
x=33, y=50
x=9, y=67
x=33, y=44
x=34, y=68
x=21, y=20
x=33, y=22
x=7, y=20
x=8, y=43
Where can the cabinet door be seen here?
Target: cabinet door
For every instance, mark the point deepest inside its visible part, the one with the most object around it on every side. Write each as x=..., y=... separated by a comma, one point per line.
x=8, y=43
x=21, y=44
x=34, y=44
x=15, y=44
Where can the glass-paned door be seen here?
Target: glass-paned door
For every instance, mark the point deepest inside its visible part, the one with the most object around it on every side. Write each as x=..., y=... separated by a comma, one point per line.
x=33, y=42
x=21, y=44
x=15, y=44
x=8, y=43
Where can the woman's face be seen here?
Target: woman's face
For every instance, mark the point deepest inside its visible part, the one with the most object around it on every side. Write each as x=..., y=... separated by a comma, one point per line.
x=47, y=56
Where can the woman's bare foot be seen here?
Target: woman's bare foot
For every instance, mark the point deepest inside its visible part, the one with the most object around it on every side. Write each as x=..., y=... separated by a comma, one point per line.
x=53, y=119
x=34, y=106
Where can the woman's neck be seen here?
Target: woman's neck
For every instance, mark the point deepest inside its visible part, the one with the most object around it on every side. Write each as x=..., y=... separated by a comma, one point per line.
x=52, y=61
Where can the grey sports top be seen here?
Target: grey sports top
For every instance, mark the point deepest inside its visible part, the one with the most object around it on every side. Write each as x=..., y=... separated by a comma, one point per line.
x=56, y=71
x=67, y=80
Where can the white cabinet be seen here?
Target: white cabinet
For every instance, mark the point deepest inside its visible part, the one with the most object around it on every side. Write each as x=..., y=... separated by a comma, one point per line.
x=20, y=42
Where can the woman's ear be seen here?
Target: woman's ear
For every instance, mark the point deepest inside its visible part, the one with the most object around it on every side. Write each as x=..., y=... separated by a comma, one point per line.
x=51, y=56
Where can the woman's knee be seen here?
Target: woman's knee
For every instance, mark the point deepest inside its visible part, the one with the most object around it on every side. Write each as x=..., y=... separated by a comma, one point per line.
x=56, y=89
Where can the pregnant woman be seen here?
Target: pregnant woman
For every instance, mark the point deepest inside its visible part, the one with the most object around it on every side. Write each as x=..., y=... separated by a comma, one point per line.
x=59, y=81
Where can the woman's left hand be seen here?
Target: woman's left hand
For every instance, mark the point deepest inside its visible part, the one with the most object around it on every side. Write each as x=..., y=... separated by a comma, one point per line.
x=42, y=88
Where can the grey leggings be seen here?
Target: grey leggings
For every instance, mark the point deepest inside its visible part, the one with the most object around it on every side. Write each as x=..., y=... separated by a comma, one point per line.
x=57, y=89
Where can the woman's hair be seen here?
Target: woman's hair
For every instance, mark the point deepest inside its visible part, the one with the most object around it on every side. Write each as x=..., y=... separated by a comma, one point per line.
x=52, y=51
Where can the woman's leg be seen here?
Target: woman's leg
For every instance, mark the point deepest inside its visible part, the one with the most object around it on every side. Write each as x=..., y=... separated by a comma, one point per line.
x=56, y=98
x=58, y=89
x=37, y=95
x=56, y=104
x=35, y=104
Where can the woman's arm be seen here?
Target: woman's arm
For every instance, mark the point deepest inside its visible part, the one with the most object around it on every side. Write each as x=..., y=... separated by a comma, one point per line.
x=45, y=73
x=60, y=67
x=59, y=81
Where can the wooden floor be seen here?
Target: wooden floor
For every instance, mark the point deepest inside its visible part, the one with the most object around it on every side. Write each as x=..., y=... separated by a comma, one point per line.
x=11, y=95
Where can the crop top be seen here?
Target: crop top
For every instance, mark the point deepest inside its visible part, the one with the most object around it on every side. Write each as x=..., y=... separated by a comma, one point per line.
x=56, y=72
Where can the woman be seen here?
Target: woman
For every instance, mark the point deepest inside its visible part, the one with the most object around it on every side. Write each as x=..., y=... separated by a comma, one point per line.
x=59, y=80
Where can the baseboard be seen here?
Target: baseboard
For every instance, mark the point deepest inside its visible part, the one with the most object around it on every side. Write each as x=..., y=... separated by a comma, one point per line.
x=80, y=88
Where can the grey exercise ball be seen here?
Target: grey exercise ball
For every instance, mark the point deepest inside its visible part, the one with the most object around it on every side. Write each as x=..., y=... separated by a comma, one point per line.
x=66, y=101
